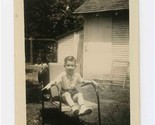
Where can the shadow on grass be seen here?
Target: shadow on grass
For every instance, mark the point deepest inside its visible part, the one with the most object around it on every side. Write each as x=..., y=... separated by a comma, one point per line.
x=115, y=107
x=118, y=115
x=33, y=92
x=53, y=116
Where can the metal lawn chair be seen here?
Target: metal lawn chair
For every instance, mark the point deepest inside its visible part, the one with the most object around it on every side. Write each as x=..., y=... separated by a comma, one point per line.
x=119, y=72
x=55, y=95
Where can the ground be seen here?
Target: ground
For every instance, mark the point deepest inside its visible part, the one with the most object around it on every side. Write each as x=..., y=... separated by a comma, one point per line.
x=114, y=103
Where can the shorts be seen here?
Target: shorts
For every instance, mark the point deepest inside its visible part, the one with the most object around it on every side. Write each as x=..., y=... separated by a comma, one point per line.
x=71, y=91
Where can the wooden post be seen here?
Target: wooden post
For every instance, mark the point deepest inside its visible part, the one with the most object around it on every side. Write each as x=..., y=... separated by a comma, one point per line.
x=80, y=53
x=31, y=50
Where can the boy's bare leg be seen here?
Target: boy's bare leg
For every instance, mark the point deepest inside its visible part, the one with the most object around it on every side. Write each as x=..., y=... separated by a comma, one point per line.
x=79, y=98
x=84, y=110
x=67, y=97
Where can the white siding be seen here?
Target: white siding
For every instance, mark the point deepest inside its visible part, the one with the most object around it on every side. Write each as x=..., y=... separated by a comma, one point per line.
x=65, y=47
x=68, y=46
x=120, y=38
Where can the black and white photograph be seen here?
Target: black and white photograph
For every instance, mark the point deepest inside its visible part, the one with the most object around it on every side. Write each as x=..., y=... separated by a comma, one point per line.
x=77, y=62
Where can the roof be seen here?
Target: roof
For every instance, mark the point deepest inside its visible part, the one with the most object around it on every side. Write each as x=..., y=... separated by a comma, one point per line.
x=70, y=32
x=91, y=6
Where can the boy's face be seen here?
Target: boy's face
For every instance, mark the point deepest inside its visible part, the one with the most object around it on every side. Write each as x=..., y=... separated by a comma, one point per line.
x=70, y=66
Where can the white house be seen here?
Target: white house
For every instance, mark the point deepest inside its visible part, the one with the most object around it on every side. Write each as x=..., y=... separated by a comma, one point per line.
x=71, y=44
x=106, y=35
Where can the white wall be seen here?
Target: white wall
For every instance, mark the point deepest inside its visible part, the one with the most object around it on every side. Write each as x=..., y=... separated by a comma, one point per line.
x=97, y=47
x=68, y=46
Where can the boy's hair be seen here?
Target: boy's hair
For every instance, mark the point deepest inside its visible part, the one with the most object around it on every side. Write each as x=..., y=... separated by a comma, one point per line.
x=69, y=58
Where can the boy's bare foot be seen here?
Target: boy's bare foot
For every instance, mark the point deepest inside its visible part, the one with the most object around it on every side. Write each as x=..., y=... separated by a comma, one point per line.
x=84, y=110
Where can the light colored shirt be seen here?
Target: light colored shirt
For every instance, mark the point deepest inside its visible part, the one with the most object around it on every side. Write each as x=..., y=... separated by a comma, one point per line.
x=67, y=81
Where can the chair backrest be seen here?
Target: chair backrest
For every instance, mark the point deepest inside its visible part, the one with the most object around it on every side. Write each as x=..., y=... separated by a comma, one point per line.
x=54, y=70
x=119, y=72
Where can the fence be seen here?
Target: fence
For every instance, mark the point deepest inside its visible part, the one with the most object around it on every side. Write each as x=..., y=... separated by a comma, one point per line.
x=39, y=50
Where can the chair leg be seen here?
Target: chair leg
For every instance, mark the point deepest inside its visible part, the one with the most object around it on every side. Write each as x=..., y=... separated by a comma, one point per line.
x=98, y=102
x=43, y=122
x=78, y=120
x=99, y=113
x=43, y=106
x=42, y=101
x=42, y=112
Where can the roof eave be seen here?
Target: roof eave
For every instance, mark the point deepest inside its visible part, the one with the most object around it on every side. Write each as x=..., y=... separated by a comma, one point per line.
x=99, y=11
x=68, y=33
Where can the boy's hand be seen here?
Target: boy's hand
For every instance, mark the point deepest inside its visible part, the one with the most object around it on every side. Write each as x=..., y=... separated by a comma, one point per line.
x=97, y=84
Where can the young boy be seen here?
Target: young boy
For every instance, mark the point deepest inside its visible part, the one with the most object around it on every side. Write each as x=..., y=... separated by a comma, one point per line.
x=69, y=80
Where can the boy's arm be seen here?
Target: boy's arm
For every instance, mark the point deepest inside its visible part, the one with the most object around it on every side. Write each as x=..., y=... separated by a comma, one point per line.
x=89, y=82
x=56, y=81
x=93, y=82
x=48, y=86
x=84, y=81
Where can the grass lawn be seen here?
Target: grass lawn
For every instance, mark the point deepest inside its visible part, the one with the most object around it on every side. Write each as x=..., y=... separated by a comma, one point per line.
x=114, y=102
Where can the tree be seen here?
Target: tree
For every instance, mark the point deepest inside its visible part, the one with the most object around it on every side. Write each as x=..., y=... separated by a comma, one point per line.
x=51, y=18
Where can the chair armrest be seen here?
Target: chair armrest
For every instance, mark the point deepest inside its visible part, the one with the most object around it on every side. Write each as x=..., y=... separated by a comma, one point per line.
x=58, y=89
x=93, y=85
x=96, y=88
x=59, y=94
